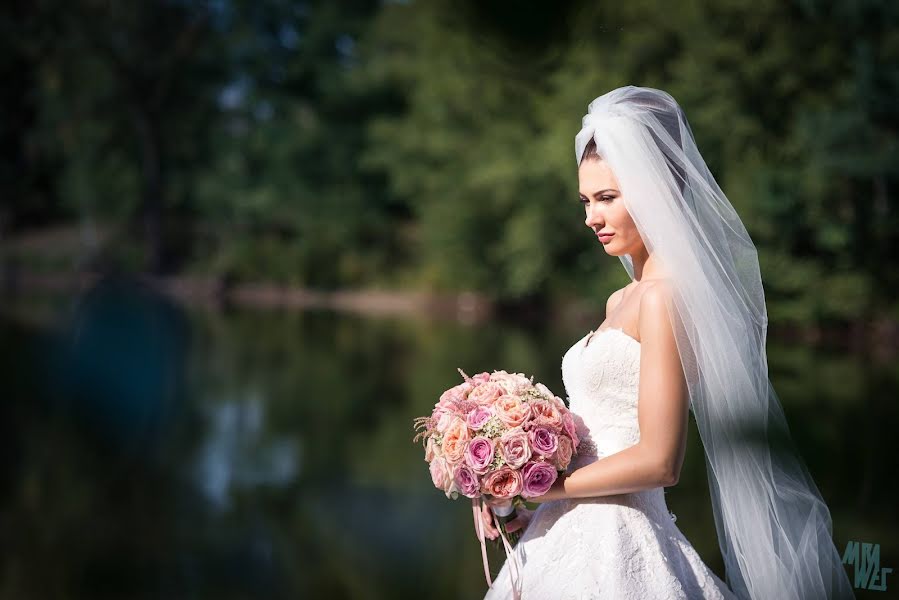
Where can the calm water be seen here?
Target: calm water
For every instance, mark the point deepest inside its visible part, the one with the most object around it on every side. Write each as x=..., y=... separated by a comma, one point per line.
x=158, y=452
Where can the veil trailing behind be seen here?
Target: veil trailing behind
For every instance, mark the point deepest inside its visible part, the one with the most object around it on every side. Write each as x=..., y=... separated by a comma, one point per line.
x=774, y=528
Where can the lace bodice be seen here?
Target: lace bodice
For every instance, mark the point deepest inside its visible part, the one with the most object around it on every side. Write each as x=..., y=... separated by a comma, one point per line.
x=601, y=373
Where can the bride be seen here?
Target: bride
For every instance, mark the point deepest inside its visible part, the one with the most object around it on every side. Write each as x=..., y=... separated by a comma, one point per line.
x=687, y=334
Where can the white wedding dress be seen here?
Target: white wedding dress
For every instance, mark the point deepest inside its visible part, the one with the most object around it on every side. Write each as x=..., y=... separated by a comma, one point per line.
x=622, y=547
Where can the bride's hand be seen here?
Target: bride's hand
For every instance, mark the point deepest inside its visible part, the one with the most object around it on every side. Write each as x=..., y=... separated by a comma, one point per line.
x=497, y=502
x=490, y=530
x=521, y=520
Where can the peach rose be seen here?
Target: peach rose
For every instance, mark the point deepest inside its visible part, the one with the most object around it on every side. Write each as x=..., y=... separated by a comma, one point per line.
x=511, y=410
x=562, y=457
x=547, y=414
x=486, y=393
x=505, y=482
x=454, y=440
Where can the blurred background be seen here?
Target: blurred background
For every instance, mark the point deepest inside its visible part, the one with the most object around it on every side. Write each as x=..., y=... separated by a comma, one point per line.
x=243, y=243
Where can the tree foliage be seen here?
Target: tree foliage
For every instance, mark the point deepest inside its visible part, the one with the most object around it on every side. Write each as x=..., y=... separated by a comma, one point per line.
x=429, y=144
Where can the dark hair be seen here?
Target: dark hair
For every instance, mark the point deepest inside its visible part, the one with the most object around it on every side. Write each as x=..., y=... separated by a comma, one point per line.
x=669, y=121
x=590, y=152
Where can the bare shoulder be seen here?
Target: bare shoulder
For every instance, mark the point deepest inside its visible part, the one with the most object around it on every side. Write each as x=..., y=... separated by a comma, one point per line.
x=655, y=298
x=656, y=291
x=614, y=300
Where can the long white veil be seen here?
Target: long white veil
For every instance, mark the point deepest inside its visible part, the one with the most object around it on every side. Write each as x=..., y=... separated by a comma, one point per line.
x=774, y=529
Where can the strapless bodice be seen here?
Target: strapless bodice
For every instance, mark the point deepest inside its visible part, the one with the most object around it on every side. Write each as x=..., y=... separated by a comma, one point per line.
x=612, y=546
x=601, y=373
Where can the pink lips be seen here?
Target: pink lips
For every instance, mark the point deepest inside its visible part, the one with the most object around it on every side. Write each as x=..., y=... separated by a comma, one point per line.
x=605, y=237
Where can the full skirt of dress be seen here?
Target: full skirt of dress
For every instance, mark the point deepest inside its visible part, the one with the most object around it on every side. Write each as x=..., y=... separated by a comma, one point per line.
x=621, y=547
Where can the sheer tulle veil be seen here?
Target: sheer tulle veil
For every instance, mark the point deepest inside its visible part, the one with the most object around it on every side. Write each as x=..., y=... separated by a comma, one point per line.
x=774, y=528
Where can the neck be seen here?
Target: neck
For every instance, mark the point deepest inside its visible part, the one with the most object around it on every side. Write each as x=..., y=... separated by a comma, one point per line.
x=646, y=266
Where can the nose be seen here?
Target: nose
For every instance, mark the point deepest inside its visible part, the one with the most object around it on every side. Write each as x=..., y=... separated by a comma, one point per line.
x=594, y=219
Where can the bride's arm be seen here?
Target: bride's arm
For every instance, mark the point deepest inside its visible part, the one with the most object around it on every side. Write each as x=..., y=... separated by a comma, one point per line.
x=655, y=461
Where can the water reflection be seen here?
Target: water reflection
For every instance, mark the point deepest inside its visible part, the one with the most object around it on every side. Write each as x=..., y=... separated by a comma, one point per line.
x=268, y=454
x=118, y=364
x=234, y=454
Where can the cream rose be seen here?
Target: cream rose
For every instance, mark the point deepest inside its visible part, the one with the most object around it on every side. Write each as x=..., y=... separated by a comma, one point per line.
x=443, y=417
x=512, y=382
x=440, y=474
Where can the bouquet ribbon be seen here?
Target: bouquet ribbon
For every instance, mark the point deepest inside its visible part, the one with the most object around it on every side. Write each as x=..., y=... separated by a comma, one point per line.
x=476, y=508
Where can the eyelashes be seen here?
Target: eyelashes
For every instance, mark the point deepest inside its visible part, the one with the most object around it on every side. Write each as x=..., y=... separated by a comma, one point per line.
x=585, y=201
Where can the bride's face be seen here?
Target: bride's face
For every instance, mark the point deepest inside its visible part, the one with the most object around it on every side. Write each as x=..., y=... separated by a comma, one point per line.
x=605, y=210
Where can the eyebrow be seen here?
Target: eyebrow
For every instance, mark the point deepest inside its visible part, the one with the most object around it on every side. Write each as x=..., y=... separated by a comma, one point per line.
x=595, y=194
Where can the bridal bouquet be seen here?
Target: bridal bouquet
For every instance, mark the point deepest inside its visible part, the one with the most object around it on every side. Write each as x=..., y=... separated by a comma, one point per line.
x=497, y=434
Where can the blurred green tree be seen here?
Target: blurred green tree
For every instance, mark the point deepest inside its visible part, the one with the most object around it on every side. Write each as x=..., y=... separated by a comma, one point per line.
x=428, y=144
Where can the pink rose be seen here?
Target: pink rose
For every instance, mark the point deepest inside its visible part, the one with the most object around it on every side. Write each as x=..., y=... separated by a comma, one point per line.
x=481, y=378
x=543, y=441
x=560, y=404
x=568, y=426
x=467, y=482
x=511, y=410
x=455, y=439
x=543, y=390
x=485, y=393
x=562, y=457
x=515, y=447
x=443, y=417
x=478, y=417
x=547, y=414
x=537, y=478
x=505, y=482
x=557, y=402
x=440, y=474
x=479, y=454
x=455, y=394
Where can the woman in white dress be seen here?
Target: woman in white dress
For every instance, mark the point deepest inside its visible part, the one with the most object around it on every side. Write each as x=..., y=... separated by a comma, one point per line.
x=687, y=334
